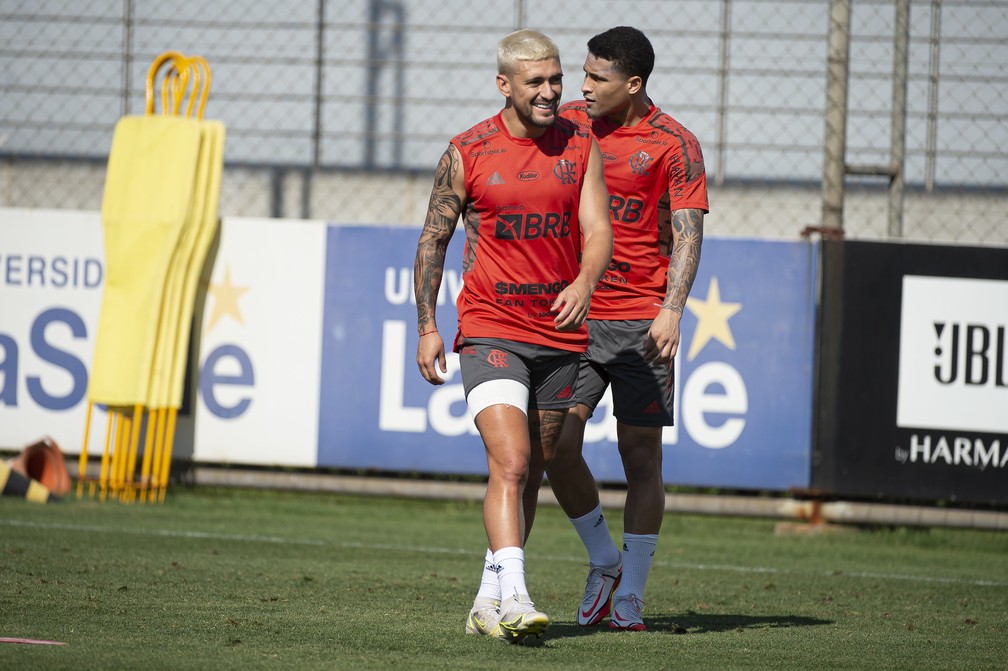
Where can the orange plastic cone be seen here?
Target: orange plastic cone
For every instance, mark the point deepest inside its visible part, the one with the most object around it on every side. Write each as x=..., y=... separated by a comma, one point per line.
x=43, y=461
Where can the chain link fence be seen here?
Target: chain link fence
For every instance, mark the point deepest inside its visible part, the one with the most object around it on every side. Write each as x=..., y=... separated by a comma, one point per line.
x=340, y=110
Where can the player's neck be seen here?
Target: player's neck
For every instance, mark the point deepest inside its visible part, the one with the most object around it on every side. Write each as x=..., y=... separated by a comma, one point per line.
x=639, y=107
x=518, y=128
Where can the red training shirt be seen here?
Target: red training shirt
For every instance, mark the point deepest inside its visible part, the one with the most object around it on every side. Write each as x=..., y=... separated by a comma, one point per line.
x=657, y=159
x=523, y=239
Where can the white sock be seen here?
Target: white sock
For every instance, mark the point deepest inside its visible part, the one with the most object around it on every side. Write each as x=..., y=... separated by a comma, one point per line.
x=489, y=589
x=511, y=571
x=594, y=533
x=638, y=551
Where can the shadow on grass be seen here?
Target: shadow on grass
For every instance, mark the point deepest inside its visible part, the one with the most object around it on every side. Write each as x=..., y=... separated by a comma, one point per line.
x=693, y=623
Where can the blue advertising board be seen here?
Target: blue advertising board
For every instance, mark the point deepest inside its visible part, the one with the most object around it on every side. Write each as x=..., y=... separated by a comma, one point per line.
x=743, y=372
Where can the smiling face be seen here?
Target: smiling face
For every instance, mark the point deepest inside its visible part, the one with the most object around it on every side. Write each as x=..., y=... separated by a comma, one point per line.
x=606, y=91
x=533, y=89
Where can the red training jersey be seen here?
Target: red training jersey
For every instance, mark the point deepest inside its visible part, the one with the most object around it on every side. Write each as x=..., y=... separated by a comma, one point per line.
x=523, y=238
x=656, y=164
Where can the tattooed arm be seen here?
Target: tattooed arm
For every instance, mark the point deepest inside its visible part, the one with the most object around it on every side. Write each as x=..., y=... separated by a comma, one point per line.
x=446, y=201
x=662, y=340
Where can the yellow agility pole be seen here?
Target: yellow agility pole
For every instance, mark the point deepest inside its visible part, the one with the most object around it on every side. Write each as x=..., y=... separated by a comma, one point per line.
x=159, y=216
x=139, y=222
x=155, y=479
x=113, y=463
x=103, y=471
x=166, y=455
x=145, y=467
x=103, y=474
x=131, y=454
x=122, y=447
x=173, y=391
x=190, y=78
x=83, y=460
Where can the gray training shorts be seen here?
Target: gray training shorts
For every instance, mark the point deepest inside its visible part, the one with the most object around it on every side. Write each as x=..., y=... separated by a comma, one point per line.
x=549, y=374
x=642, y=393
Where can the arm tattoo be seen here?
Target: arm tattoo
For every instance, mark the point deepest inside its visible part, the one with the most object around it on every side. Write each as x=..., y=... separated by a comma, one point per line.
x=687, y=228
x=665, y=237
x=442, y=215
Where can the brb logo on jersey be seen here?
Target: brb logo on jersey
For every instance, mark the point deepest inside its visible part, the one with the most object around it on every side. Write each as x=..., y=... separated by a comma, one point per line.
x=640, y=163
x=564, y=171
x=532, y=226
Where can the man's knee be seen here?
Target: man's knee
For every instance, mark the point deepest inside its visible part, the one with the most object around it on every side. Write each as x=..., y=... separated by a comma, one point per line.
x=641, y=451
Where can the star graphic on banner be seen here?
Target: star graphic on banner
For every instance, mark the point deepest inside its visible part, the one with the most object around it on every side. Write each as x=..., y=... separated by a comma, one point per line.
x=226, y=297
x=712, y=320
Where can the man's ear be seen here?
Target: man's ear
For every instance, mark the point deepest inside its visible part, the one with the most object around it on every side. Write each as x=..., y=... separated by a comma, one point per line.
x=504, y=85
x=634, y=84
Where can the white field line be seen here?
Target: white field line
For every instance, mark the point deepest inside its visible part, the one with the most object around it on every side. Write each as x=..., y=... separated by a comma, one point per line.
x=280, y=540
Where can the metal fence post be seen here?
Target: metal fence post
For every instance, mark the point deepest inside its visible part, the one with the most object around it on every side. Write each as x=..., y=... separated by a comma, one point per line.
x=127, y=64
x=835, y=140
x=722, y=100
x=932, y=113
x=897, y=151
x=307, y=176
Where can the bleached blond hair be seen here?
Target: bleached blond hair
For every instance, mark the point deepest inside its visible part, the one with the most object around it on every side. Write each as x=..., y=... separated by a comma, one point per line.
x=524, y=45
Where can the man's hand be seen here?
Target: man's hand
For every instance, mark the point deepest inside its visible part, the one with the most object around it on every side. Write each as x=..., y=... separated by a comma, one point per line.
x=571, y=306
x=430, y=357
x=662, y=340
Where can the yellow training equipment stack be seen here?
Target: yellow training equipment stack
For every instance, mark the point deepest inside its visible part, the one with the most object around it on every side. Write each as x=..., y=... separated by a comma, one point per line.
x=159, y=218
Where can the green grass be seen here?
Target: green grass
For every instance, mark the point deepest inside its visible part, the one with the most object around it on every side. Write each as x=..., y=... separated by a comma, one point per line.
x=234, y=579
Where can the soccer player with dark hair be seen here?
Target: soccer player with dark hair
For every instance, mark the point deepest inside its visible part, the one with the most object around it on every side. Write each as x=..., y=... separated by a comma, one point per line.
x=657, y=185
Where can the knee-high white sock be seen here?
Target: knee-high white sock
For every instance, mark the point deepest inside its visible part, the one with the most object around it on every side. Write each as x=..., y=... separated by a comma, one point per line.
x=594, y=533
x=511, y=571
x=638, y=551
x=489, y=589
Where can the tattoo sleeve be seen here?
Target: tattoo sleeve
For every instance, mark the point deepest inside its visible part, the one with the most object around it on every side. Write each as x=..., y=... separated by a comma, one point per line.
x=442, y=216
x=687, y=232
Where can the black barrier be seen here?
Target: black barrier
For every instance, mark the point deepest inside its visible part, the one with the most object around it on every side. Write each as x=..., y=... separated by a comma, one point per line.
x=912, y=390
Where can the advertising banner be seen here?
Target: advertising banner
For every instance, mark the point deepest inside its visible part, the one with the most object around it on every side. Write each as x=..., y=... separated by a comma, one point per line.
x=913, y=396
x=743, y=377
x=257, y=363
x=305, y=350
x=52, y=271
x=259, y=349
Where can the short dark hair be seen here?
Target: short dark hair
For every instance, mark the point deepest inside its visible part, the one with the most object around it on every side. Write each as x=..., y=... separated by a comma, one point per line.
x=627, y=48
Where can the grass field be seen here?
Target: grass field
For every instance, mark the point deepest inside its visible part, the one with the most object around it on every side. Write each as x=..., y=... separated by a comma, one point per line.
x=236, y=579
